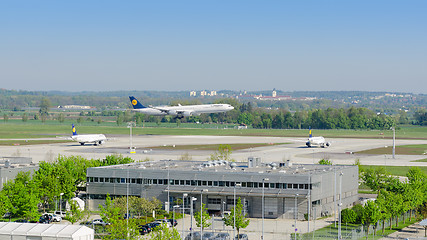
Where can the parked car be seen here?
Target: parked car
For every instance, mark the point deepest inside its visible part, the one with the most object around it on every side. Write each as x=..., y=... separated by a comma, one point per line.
x=45, y=218
x=222, y=236
x=99, y=222
x=208, y=236
x=62, y=214
x=241, y=236
x=143, y=230
x=196, y=236
x=56, y=218
x=153, y=225
x=173, y=222
x=147, y=227
x=161, y=221
x=22, y=221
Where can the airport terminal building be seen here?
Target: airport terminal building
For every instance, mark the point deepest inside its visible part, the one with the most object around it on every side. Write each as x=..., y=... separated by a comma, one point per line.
x=287, y=188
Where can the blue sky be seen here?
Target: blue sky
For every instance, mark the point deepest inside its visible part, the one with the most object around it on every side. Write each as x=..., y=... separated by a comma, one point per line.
x=215, y=45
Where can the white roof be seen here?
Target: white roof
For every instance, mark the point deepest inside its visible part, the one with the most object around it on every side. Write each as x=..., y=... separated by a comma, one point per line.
x=58, y=231
x=423, y=222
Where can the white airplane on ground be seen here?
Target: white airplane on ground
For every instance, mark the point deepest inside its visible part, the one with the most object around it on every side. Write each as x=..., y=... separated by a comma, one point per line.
x=179, y=111
x=316, y=141
x=88, y=138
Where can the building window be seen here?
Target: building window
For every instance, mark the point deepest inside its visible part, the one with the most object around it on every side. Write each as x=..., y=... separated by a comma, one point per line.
x=139, y=181
x=210, y=183
x=154, y=181
x=250, y=184
x=90, y=179
x=215, y=183
x=193, y=183
x=101, y=179
x=181, y=182
x=133, y=180
x=295, y=186
x=187, y=182
x=301, y=186
x=165, y=182
x=290, y=185
x=214, y=200
x=244, y=184
x=221, y=183
x=199, y=183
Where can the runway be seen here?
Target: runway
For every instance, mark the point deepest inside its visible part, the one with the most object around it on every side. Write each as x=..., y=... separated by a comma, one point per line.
x=294, y=150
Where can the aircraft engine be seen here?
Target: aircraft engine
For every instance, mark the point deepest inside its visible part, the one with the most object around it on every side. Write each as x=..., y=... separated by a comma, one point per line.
x=187, y=113
x=328, y=144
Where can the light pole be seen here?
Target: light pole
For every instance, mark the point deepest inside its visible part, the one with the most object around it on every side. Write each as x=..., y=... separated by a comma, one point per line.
x=127, y=203
x=191, y=213
x=339, y=208
x=234, y=208
x=168, y=202
x=130, y=125
x=201, y=211
x=296, y=216
x=60, y=201
x=184, y=195
x=262, y=202
x=394, y=141
x=173, y=215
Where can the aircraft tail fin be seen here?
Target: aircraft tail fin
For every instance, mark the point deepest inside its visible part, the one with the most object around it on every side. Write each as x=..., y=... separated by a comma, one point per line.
x=309, y=133
x=74, y=130
x=135, y=103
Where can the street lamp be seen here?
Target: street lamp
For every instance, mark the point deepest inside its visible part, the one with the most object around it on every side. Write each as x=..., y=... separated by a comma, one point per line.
x=60, y=201
x=130, y=125
x=296, y=216
x=339, y=208
x=394, y=141
x=262, y=201
x=173, y=215
x=184, y=195
x=191, y=213
x=201, y=211
x=234, y=208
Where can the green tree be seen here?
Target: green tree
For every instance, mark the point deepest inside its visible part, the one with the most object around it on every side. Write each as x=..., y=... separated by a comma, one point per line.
x=163, y=232
x=61, y=118
x=223, y=153
x=371, y=214
x=23, y=196
x=118, y=228
x=44, y=108
x=325, y=162
x=24, y=117
x=376, y=179
x=236, y=217
x=5, y=204
x=75, y=213
x=204, y=219
x=348, y=216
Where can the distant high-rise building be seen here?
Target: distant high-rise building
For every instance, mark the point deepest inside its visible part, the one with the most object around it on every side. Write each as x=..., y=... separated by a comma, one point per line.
x=193, y=93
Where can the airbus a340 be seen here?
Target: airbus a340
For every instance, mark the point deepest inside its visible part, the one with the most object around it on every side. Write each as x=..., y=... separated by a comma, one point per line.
x=316, y=141
x=179, y=111
x=88, y=138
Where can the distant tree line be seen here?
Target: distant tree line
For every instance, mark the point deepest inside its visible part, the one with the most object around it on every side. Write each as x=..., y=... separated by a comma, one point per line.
x=249, y=114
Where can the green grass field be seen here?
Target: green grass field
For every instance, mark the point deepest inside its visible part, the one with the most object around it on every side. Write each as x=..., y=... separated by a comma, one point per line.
x=213, y=147
x=395, y=170
x=36, y=129
x=420, y=149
